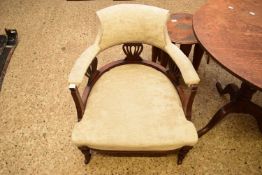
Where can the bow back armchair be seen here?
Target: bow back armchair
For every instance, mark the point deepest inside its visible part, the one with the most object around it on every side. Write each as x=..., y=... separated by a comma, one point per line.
x=133, y=104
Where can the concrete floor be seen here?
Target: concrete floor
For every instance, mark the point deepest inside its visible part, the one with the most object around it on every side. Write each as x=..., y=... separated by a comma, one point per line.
x=37, y=113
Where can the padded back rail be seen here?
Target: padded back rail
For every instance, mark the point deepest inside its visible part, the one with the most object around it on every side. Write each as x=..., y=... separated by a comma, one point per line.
x=118, y=25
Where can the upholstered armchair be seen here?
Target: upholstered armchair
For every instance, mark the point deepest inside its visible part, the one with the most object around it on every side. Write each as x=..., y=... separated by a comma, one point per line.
x=133, y=105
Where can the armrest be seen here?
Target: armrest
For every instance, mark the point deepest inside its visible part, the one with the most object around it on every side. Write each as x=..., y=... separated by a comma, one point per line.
x=82, y=63
x=185, y=66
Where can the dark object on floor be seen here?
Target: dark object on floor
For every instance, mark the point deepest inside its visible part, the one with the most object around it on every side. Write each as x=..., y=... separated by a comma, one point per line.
x=8, y=44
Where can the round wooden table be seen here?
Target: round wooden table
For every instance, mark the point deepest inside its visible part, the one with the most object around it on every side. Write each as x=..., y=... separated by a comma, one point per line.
x=231, y=32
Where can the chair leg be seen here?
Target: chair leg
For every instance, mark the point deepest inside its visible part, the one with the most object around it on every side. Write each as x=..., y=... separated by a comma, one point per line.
x=182, y=154
x=87, y=154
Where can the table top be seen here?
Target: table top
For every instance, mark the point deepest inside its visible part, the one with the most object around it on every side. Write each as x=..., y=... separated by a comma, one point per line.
x=180, y=28
x=231, y=32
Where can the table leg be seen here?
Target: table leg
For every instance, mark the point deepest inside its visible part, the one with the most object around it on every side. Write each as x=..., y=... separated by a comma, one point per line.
x=186, y=48
x=197, y=56
x=240, y=102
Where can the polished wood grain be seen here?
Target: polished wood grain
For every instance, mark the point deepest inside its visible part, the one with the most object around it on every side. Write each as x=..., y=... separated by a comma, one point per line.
x=240, y=102
x=231, y=32
x=180, y=28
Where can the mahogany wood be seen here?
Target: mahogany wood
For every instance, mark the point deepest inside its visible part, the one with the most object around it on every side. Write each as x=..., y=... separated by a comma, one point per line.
x=186, y=48
x=236, y=46
x=182, y=153
x=87, y=153
x=239, y=103
x=188, y=103
x=91, y=69
x=180, y=29
x=155, y=53
x=78, y=102
x=132, y=51
x=197, y=56
x=232, y=36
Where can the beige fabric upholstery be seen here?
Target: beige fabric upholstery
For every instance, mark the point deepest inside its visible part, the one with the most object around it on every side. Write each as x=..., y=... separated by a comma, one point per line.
x=135, y=108
x=190, y=77
x=133, y=23
x=81, y=65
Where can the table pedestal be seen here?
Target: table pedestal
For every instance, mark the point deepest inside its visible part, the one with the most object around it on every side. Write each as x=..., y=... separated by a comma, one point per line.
x=240, y=102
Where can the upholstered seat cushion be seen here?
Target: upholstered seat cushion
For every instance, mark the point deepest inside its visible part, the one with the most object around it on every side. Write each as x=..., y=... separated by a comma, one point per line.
x=134, y=108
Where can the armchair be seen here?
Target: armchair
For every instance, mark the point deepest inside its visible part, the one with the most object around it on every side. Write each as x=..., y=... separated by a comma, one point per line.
x=133, y=105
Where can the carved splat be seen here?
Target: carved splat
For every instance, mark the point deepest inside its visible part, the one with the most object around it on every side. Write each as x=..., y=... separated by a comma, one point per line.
x=92, y=69
x=132, y=51
x=172, y=67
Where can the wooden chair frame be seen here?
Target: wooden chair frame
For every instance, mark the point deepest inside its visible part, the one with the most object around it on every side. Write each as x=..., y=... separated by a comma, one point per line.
x=163, y=64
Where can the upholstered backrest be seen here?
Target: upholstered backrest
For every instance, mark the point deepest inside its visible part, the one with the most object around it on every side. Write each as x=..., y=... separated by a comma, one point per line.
x=133, y=23
x=118, y=25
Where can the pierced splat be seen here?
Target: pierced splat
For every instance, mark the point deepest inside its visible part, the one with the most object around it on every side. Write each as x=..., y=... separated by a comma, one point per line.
x=172, y=67
x=132, y=51
x=92, y=69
